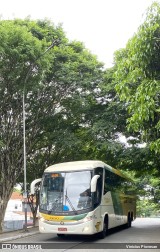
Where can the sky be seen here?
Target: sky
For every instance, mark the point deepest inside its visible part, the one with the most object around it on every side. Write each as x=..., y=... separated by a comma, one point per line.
x=104, y=26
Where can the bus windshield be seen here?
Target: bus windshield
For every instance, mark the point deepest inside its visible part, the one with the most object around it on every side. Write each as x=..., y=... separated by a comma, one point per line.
x=66, y=192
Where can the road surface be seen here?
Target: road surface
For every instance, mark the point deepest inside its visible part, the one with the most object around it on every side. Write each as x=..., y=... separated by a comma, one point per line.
x=144, y=235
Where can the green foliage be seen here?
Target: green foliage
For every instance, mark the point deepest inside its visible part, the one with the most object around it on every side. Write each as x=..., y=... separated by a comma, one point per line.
x=72, y=109
x=66, y=118
x=147, y=208
x=146, y=188
x=24, y=63
x=65, y=95
x=138, y=78
x=19, y=51
x=148, y=195
x=17, y=190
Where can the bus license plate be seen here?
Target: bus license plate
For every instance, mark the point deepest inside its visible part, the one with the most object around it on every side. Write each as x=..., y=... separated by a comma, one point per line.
x=62, y=229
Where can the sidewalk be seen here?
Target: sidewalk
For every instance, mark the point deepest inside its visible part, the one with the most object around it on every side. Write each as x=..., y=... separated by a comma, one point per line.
x=8, y=236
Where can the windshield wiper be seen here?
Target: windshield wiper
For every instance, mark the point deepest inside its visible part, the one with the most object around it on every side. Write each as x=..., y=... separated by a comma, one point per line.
x=70, y=203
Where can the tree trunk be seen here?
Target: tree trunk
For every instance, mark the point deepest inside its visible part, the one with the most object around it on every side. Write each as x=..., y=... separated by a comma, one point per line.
x=4, y=198
x=33, y=201
x=1, y=215
x=34, y=218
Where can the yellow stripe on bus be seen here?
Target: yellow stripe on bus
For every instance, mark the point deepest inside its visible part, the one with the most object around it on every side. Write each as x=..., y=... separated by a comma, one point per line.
x=55, y=218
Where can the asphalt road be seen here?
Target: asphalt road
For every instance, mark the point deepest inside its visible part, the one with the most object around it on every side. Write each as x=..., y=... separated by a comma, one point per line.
x=144, y=235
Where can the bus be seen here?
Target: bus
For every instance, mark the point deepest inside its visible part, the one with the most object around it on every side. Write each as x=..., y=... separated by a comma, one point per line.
x=84, y=198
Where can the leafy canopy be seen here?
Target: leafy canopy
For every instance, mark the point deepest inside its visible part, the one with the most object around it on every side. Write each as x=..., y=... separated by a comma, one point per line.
x=138, y=78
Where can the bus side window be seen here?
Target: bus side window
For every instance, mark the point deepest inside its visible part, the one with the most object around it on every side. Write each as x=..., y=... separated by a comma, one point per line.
x=114, y=183
x=110, y=182
x=107, y=184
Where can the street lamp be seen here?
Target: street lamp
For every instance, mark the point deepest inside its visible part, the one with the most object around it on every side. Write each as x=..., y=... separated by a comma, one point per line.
x=55, y=42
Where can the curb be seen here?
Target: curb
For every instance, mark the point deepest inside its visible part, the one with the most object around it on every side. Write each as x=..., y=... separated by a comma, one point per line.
x=18, y=236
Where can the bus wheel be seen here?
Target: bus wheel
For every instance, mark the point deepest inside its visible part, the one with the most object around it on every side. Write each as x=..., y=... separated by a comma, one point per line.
x=103, y=233
x=60, y=235
x=129, y=222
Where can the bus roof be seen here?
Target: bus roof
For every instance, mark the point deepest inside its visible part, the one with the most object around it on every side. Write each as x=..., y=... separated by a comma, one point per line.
x=75, y=166
x=82, y=165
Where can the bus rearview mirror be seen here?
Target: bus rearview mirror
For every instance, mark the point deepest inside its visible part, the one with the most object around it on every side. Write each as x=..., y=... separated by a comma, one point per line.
x=94, y=183
x=33, y=184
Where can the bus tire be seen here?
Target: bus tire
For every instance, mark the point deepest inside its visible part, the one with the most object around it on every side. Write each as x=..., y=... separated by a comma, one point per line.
x=103, y=233
x=129, y=221
x=60, y=235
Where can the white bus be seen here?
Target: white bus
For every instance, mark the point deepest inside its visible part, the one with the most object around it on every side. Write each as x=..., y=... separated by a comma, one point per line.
x=84, y=197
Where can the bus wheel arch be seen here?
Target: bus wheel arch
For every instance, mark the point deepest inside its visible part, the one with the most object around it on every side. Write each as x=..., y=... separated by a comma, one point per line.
x=103, y=233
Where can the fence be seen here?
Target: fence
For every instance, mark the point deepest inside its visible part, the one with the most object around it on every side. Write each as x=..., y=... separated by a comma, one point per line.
x=11, y=225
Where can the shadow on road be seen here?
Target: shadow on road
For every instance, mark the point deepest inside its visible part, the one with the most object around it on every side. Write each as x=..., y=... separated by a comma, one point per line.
x=84, y=238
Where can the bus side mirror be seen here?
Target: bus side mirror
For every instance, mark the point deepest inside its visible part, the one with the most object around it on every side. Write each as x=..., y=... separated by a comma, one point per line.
x=94, y=183
x=32, y=187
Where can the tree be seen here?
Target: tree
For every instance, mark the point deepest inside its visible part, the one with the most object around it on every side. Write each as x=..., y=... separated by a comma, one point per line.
x=106, y=120
x=64, y=96
x=138, y=78
x=58, y=84
x=20, y=53
x=138, y=85
x=142, y=165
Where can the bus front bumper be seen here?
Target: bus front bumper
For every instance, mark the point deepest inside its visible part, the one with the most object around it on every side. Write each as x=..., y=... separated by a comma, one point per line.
x=86, y=228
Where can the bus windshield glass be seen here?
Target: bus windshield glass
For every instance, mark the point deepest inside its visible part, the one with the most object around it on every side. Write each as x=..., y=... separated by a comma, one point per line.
x=66, y=192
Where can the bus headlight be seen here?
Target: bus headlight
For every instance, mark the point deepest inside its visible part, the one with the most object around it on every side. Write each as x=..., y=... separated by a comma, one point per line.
x=88, y=218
